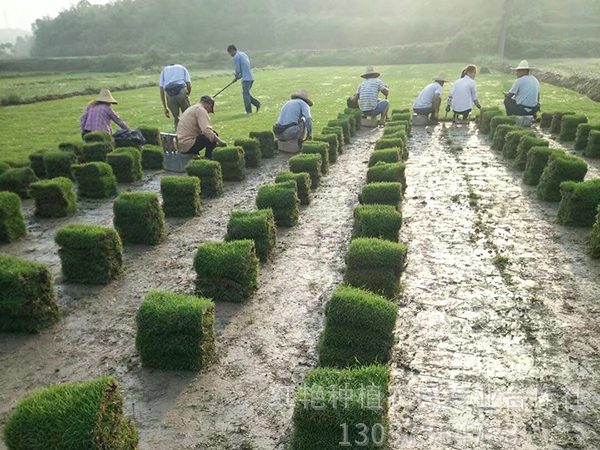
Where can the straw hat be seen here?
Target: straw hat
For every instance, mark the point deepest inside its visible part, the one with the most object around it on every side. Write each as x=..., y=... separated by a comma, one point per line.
x=523, y=65
x=302, y=94
x=441, y=77
x=370, y=71
x=106, y=97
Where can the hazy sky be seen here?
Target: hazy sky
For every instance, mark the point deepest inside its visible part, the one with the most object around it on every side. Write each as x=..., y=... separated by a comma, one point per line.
x=22, y=13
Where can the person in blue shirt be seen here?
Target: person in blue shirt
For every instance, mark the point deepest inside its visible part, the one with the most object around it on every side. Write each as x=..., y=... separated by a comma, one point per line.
x=295, y=119
x=523, y=99
x=243, y=71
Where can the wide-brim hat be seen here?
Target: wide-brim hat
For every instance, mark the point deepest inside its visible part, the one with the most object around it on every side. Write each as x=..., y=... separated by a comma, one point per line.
x=523, y=65
x=302, y=94
x=441, y=77
x=106, y=97
x=370, y=72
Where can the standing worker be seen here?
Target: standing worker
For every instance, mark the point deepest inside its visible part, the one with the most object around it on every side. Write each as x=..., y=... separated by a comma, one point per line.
x=430, y=99
x=294, y=119
x=523, y=99
x=195, y=131
x=244, y=71
x=464, y=94
x=175, y=83
x=368, y=96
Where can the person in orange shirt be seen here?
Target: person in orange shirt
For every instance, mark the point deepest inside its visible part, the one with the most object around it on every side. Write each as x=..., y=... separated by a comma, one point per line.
x=195, y=132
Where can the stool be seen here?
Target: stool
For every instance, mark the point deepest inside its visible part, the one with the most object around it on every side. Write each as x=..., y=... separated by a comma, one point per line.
x=288, y=146
x=524, y=121
x=368, y=122
x=174, y=161
x=420, y=121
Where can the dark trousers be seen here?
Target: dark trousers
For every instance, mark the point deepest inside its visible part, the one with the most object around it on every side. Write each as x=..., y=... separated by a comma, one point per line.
x=202, y=143
x=248, y=99
x=512, y=109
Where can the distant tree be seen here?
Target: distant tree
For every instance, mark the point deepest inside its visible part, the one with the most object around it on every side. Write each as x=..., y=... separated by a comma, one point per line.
x=7, y=50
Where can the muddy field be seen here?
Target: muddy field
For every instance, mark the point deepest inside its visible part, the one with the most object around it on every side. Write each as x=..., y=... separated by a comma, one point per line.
x=497, y=337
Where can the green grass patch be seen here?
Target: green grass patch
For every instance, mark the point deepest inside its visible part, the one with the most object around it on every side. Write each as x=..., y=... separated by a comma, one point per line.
x=252, y=154
x=181, y=196
x=583, y=132
x=579, y=202
x=27, y=300
x=226, y=271
x=339, y=132
x=282, y=199
x=74, y=147
x=389, y=155
x=138, y=218
x=175, y=331
x=54, y=198
x=351, y=123
x=258, y=226
x=332, y=141
x=4, y=167
x=308, y=163
x=485, y=123
x=375, y=265
x=153, y=158
x=482, y=111
x=557, y=118
x=303, y=183
x=384, y=193
x=512, y=141
x=591, y=151
x=210, y=174
x=387, y=172
x=73, y=416
x=58, y=164
x=36, y=162
x=12, y=222
x=546, y=120
x=151, y=134
x=525, y=144
x=560, y=168
x=345, y=125
x=500, y=120
x=268, y=144
x=95, y=151
x=89, y=254
x=233, y=164
x=500, y=133
x=318, y=148
x=595, y=238
x=537, y=159
x=126, y=164
x=568, y=128
x=359, y=329
x=18, y=181
x=377, y=221
x=95, y=180
x=98, y=136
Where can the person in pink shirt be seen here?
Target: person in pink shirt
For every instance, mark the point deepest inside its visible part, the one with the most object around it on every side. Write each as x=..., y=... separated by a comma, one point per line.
x=99, y=114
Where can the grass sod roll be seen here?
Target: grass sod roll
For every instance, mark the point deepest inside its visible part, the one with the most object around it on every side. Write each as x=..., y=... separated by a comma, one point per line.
x=332, y=397
x=400, y=111
x=95, y=180
x=556, y=124
x=258, y=226
x=339, y=132
x=268, y=145
x=54, y=198
x=332, y=142
x=126, y=164
x=500, y=120
x=345, y=124
x=175, y=332
x=546, y=120
x=58, y=164
x=128, y=143
x=233, y=163
x=251, y=148
x=98, y=136
x=500, y=135
x=282, y=199
x=486, y=120
x=583, y=133
x=395, y=127
x=483, y=110
x=75, y=416
x=153, y=157
x=74, y=147
x=138, y=218
x=568, y=128
x=210, y=174
x=579, y=202
x=351, y=122
x=12, y=222
x=181, y=196
x=526, y=144
x=512, y=141
x=151, y=134
x=18, y=181
x=36, y=162
x=95, y=152
x=226, y=271
x=89, y=254
x=537, y=159
x=318, y=148
x=303, y=183
x=560, y=168
x=4, y=167
x=309, y=163
x=27, y=300
x=403, y=117
x=384, y=143
x=387, y=172
x=357, y=114
x=591, y=151
x=375, y=265
x=359, y=329
x=377, y=221
x=389, y=155
x=595, y=238
x=381, y=194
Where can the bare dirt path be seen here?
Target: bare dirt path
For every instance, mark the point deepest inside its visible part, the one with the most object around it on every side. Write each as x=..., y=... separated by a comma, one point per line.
x=264, y=346
x=498, y=338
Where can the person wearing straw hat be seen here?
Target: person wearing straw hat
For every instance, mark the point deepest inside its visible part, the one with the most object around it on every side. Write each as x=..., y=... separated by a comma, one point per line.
x=523, y=99
x=99, y=114
x=295, y=119
x=195, y=132
x=430, y=99
x=368, y=96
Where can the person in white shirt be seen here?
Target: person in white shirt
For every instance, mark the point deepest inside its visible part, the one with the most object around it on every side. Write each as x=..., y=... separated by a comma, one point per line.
x=523, y=99
x=368, y=96
x=464, y=94
x=430, y=99
x=175, y=84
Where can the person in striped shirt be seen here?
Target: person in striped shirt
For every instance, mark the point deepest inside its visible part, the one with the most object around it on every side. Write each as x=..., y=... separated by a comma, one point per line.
x=99, y=114
x=368, y=96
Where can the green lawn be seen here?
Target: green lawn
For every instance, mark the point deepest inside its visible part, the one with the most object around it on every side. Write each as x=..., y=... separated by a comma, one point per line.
x=27, y=128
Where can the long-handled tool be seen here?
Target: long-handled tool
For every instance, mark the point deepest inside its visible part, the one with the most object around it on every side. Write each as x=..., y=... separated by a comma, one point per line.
x=224, y=88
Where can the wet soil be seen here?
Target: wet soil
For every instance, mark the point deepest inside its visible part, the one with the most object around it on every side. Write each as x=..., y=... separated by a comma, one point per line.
x=498, y=337
x=244, y=400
